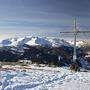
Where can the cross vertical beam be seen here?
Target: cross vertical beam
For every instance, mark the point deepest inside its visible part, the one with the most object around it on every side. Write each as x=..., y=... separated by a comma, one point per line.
x=75, y=36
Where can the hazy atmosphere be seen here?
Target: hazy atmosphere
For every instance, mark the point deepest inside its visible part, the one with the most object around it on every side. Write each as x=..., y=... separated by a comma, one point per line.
x=44, y=44
x=42, y=17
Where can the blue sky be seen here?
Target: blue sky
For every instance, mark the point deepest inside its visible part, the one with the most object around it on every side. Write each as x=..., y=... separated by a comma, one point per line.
x=42, y=17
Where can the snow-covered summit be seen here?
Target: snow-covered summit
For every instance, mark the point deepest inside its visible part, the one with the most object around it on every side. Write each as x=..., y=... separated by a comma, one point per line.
x=5, y=42
x=14, y=41
x=38, y=41
x=79, y=43
x=57, y=42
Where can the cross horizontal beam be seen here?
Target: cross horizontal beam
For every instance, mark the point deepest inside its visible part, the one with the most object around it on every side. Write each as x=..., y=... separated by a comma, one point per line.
x=76, y=32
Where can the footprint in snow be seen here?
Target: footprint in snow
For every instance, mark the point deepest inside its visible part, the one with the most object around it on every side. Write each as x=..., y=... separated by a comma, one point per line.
x=0, y=83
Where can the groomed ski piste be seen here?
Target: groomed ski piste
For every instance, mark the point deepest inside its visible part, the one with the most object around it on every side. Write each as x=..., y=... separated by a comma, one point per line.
x=34, y=77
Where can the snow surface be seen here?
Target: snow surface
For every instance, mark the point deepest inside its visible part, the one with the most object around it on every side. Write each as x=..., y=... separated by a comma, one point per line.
x=33, y=77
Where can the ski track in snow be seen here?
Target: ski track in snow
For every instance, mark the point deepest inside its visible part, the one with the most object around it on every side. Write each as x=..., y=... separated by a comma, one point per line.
x=41, y=79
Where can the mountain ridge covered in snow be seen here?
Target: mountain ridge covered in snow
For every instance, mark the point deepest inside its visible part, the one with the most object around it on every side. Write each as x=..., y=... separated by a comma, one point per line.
x=33, y=41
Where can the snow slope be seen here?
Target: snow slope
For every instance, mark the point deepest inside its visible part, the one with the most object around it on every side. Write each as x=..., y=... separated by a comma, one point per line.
x=43, y=78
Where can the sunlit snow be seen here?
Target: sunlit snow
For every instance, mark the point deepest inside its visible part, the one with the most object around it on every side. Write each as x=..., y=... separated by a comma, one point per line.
x=42, y=78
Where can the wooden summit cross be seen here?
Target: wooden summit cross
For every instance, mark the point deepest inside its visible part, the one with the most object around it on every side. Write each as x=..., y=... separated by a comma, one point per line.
x=75, y=32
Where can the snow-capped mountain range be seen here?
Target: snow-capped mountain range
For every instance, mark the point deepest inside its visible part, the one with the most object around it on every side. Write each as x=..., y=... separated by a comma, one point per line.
x=33, y=41
x=39, y=41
